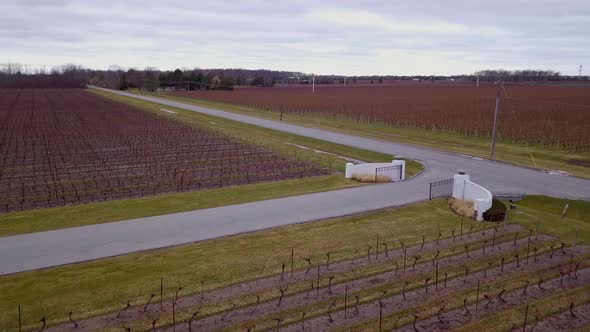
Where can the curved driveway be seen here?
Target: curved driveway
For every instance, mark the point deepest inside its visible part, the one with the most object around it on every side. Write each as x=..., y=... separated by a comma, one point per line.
x=45, y=249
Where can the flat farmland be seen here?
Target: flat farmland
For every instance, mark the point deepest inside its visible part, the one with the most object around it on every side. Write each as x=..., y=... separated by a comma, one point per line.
x=414, y=268
x=552, y=117
x=67, y=146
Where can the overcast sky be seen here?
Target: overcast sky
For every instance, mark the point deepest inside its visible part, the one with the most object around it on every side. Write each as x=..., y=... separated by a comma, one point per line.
x=321, y=36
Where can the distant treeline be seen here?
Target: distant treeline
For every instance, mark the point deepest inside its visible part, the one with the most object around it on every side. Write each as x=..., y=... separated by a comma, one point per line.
x=527, y=75
x=227, y=79
x=66, y=76
x=490, y=75
x=73, y=76
x=191, y=79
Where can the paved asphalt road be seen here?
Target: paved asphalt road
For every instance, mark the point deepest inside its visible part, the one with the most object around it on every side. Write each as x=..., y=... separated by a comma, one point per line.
x=45, y=249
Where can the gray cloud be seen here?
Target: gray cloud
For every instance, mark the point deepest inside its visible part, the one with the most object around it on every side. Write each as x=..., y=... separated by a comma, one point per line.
x=348, y=37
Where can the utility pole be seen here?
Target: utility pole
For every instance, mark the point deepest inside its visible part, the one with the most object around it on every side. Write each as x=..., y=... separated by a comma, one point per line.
x=498, y=84
x=312, y=84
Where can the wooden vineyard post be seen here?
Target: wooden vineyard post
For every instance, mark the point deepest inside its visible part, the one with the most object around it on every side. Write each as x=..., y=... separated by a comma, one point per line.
x=292, y=257
x=528, y=248
x=318, y=283
x=494, y=238
x=161, y=293
x=173, y=315
x=436, y=277
x=345, y=299
x=526, y=313
x=380, y=318
x=405, y=256
x=377, y=248
x=569, y=273
x=564, y=211
x=496, y=111
x=477, y=297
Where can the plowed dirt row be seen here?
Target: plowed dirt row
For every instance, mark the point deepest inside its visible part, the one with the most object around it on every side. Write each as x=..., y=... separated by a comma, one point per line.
x=299, y=276
x=563, y=321
x=392, y=304
x=458, y=317
x=269, y=310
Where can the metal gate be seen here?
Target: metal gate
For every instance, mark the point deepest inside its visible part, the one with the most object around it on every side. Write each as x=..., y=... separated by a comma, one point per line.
x=443, y=188
x=395, y=169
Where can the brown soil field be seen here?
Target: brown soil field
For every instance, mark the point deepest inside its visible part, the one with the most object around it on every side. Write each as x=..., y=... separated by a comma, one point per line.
x=552, y=116
x=66, y=146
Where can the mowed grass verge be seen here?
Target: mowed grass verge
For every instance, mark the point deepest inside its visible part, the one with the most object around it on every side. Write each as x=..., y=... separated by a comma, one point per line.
x=282, y=143
x=105, y=285
x=529, y=155
x=544, y=214
x=39, y=220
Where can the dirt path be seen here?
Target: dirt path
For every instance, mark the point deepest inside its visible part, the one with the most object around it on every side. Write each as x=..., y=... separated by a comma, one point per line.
x=274, y=282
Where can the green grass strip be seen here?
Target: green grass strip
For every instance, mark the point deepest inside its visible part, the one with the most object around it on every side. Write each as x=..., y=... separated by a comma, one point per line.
x=543, y=214
x=39, y=220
